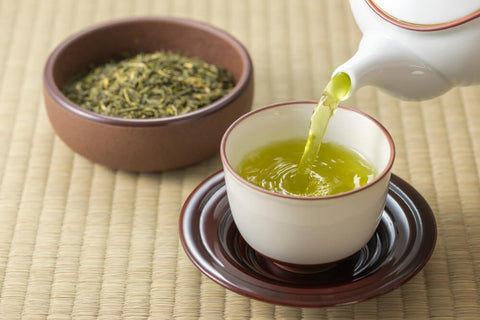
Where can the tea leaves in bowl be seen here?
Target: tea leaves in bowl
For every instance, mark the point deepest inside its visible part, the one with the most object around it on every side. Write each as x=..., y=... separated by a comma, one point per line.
x=150, y=85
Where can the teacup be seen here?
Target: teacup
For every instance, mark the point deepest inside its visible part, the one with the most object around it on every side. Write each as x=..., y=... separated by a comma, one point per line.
x=296, y=230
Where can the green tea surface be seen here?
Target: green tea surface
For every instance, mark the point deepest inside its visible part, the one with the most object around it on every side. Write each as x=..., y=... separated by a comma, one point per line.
x=334, y=169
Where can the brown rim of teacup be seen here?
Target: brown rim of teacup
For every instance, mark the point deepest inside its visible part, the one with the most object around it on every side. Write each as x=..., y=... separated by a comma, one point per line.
x=251, y=185
x=63, y=101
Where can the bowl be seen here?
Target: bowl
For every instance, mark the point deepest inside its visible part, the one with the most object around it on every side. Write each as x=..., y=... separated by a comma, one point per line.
x=146, y=144
x=302, y=232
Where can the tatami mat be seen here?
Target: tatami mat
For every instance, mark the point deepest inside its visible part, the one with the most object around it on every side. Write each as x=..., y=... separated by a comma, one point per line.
x=79, y=240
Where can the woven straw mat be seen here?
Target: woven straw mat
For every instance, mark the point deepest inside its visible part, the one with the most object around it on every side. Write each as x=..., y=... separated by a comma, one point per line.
x=80, y=240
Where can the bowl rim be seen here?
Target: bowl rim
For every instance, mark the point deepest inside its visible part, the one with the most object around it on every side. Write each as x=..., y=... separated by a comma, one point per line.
x=65, y=103
x=228, y=167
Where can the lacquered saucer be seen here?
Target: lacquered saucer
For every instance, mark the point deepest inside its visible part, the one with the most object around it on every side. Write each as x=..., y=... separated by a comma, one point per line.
x=401, y=246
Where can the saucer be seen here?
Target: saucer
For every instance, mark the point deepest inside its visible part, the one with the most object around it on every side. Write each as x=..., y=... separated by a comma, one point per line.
x=400, y=248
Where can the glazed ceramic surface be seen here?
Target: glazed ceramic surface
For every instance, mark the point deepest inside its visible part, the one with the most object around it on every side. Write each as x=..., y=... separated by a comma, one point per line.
x=416, y=49
x=306, y=230
x=427, y=12
x=146, y=144
x=400, y=247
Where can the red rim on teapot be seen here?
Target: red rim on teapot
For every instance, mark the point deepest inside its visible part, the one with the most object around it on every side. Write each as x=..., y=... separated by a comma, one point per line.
x=406, y=23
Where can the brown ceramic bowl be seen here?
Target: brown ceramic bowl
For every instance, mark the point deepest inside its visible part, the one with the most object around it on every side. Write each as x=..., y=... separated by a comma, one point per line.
x=146, y=144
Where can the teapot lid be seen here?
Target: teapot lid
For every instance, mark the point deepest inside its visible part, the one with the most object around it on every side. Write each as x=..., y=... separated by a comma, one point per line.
x=426, y=15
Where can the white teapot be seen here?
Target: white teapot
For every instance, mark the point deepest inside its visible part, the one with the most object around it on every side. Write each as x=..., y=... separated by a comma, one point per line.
x=415, y=49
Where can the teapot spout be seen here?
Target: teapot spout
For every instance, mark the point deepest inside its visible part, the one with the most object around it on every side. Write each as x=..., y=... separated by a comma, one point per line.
x=388, y=65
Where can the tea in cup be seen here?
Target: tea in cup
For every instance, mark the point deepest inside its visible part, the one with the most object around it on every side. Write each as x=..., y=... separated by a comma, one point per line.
x=302, y=229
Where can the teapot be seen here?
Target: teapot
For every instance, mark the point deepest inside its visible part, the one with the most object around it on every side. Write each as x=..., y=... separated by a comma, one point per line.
x=415, y=49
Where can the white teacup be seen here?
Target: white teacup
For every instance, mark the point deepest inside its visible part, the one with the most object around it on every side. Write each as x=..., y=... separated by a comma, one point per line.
x=306, y=230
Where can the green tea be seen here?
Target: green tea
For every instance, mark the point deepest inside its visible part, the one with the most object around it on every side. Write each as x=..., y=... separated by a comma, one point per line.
x=335, y=169
x=336, y=90
x=150, y=85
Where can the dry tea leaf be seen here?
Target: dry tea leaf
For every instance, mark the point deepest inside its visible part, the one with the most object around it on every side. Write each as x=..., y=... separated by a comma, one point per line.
x=153, y=85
